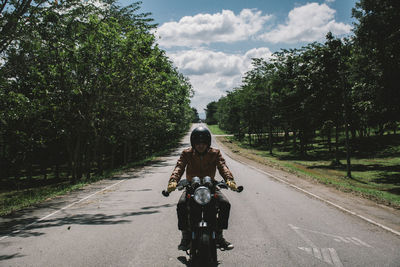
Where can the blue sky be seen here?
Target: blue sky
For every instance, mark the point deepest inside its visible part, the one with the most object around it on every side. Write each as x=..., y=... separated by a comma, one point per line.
x=212, y=41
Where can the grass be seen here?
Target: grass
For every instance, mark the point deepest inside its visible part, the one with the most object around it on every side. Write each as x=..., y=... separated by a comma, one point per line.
x=216, y=130
x=375, y=165
x=16, y=199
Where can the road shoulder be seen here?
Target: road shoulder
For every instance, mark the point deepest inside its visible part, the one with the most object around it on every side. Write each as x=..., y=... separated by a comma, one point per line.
x=347, y=202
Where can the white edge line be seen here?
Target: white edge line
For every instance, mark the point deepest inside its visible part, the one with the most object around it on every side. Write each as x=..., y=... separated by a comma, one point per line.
x=324, y=200
x=63, y=208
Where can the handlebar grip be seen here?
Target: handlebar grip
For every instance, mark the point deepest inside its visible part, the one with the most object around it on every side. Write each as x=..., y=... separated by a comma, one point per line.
x=239, y=189
x=165, y=193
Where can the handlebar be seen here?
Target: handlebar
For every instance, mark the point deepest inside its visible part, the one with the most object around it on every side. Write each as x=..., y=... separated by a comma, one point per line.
x=239, y=189
x=223, y=185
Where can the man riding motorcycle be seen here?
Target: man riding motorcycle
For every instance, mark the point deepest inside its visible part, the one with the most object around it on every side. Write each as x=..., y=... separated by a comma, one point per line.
x=202, y=160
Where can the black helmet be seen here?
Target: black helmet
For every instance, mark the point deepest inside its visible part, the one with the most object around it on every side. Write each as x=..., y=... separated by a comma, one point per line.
x=200, y=135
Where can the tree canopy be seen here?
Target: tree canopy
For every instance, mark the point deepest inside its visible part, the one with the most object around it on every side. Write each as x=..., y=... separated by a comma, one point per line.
x=349, y=84
x=84, y=87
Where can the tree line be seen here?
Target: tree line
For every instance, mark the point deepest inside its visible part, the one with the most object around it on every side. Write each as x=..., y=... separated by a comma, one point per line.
x=84, y=87
x=346, y=86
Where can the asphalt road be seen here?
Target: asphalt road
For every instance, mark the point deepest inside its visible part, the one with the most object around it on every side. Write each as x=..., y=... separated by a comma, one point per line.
x=126, y=221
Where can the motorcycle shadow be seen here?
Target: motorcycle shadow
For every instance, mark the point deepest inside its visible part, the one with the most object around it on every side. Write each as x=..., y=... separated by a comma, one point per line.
x=186, y=262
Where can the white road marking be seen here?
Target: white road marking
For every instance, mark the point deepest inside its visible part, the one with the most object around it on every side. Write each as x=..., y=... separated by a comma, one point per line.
x=361, y=242
x=328, y=255
x=322, y=199
x=317, y=253
x=353, y=241
x=337, y=238
x=306, y=239
x=66, y=207
x=335, y=258
x=344, y=239
x=308, y=250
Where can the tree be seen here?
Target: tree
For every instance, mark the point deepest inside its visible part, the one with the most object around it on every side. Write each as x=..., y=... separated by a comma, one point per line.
x=86, y=88
x=211, y=111
x=345, y=85
x=195, y=114
x=14, y=17
x=377, y=37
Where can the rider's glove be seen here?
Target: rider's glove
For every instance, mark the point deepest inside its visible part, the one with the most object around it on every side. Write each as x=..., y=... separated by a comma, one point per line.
x=171, y=186
x=232, y=185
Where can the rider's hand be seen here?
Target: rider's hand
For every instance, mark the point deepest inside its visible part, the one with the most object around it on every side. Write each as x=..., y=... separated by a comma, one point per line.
x=171, y=186
x=232, y=185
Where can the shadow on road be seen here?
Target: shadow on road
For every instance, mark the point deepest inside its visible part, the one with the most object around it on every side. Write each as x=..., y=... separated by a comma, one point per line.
x=185, y=261
x=139, y=190
x=160, y=206
x=8, y=257
x=27, y=228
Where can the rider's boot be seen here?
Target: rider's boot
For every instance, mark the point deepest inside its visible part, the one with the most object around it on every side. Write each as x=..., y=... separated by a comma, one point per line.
x=221, y=242
x=185, y=241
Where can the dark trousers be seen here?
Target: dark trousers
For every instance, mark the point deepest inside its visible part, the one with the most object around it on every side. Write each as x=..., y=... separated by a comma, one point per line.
x=223, y=215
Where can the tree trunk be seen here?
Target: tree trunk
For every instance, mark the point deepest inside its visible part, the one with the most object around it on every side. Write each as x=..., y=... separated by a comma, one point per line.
x=286, y=136
x=249, y=137
x=347, y=117
x=130, y=151
x=99, y=156
x=353, y=133
x=30, y=170
x=57, y=171
x=381, y=129
x=74, y=158
x=337, y=159
x=302, y=143
x=329, y=141
x=125, y=152
x=348, y=166
x=30, y=166
x=270, y=138
x=113, y=149
x=294, y=141
x=88, y=163
x=80, y=165
x=44, y=172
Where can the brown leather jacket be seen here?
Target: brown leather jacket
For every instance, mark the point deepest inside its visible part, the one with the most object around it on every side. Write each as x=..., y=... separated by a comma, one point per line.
x=201, y=165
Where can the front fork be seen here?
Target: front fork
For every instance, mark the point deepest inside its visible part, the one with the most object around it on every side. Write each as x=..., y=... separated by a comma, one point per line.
x=198, y=233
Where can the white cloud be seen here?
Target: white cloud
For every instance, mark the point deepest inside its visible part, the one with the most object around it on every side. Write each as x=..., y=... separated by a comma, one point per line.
x=213, y=73
x=209, y=28
x=202, y=61
x=307, y=23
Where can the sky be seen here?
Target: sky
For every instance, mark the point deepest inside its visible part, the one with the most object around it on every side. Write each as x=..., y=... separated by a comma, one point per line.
x=212, y=42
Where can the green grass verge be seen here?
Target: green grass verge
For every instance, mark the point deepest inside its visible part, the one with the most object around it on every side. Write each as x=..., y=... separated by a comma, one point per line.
x=216, y=130
x=375, y=175
x=14, y=200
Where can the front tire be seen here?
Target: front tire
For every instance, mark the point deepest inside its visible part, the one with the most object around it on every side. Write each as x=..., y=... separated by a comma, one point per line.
x=204, y=251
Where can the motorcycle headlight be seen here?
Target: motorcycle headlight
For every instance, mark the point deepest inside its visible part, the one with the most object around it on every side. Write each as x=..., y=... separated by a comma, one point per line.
x=202, y=195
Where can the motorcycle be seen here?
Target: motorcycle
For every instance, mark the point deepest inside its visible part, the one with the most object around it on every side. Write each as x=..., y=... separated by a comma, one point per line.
x=202, y=207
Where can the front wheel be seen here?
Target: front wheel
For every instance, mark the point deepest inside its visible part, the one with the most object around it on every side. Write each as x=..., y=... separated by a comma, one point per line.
x=205, y=253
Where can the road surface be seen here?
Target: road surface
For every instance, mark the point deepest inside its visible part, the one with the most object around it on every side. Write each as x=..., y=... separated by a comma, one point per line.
x=125, y=221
